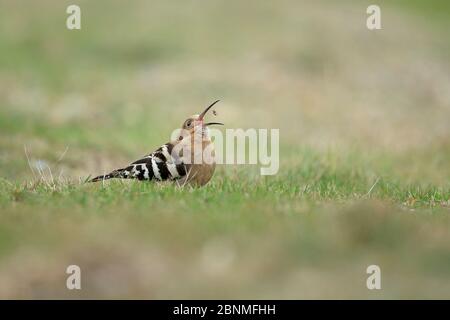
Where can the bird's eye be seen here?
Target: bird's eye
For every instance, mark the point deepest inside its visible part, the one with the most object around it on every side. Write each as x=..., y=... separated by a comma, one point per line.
x=188, y=123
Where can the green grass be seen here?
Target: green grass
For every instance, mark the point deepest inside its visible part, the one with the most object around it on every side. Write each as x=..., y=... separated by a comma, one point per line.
x=252, y=236
x=364, y=150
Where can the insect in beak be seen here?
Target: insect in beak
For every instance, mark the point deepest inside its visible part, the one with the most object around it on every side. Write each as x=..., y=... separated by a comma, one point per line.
x=200, y=117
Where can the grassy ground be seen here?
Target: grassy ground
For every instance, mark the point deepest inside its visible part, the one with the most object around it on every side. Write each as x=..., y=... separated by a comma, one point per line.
x=365, y=149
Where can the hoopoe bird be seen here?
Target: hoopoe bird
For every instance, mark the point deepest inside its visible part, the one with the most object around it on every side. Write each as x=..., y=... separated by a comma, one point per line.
x=182, y=160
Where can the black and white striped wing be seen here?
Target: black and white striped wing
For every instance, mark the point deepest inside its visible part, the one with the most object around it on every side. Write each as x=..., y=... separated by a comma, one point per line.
x=159, y=165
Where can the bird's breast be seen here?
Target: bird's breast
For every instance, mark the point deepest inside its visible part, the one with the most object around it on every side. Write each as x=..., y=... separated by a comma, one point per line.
x=203, y=164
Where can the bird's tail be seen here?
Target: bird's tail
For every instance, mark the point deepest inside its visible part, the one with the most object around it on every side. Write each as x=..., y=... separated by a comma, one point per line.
x=119, y=173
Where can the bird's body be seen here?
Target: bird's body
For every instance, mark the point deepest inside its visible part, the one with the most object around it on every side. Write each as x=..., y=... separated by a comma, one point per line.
x=183, y=160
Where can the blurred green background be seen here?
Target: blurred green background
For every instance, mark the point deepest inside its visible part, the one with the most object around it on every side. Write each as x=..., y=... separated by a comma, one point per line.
x=365, y=149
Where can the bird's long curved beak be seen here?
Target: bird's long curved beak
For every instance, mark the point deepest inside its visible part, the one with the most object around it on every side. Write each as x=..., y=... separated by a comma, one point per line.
x=200, y=117
x=211, y=123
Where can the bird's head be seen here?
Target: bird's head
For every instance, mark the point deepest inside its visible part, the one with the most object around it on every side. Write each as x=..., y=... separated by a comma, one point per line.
x=195, y=124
